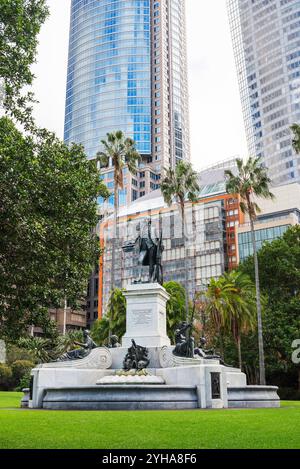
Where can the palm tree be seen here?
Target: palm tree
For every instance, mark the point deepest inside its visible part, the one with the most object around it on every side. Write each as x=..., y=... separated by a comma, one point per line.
x=114, y=321
x=180, y=184
x=252, y=180
x=296, y=137
x=39, y=347
x=244, y=318
x=119, y=152
x=68, y=342
x=219, y=305
x=175, y=307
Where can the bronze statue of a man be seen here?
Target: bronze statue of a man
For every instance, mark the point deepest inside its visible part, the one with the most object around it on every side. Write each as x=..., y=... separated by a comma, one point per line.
x=150, y=249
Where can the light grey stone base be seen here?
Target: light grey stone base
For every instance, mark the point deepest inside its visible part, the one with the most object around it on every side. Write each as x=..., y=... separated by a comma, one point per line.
x=25, y=398
x=251, y=397
x=146, y=315
x=126, y=397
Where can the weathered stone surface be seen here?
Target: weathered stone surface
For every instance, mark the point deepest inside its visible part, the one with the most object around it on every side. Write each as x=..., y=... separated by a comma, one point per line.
x=2, y=351
x=127, y=380
x=137, y=397
x=99, y=358
x=146, y=315
x=166, y=357
x=253, y=397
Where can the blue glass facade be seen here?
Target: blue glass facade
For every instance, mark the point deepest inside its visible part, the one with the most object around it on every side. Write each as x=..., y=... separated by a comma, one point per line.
x=109, y=73
x=265, y=234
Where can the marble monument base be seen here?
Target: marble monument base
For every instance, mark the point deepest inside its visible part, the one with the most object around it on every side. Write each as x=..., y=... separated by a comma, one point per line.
x=146, y=315
x=171, y=384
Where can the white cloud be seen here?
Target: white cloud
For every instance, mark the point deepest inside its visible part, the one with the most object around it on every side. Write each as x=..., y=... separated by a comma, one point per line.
x=217, y=130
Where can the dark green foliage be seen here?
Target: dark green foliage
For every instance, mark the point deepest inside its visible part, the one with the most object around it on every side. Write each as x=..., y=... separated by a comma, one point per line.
x=20, y=24
x=175, y=307
x=40, y=348
x=100, y=331
x=114, y=321
x=289, y=394
x=67, y=342
x=296, y=139
x=21, y=369
x=15, y=353
x=48, y=211
x=5, y=377
x=280, y=282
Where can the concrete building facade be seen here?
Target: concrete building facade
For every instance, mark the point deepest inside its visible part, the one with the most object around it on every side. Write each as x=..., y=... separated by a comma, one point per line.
x=266, y=43
x=211, y=241
x=273, y=221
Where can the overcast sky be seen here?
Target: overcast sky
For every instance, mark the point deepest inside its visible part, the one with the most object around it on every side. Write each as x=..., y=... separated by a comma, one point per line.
x=217, y=130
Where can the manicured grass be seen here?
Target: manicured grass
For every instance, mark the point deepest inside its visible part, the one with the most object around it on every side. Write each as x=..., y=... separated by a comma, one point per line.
x=261, y=428
x=10, y=399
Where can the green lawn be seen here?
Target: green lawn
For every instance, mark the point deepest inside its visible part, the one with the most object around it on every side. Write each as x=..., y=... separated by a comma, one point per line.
x=263, y=428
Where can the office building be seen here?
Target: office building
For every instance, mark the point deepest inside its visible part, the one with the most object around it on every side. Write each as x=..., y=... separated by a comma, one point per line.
x=211, y=241
x=266, y=42
x=127, y=71
x=275, y=218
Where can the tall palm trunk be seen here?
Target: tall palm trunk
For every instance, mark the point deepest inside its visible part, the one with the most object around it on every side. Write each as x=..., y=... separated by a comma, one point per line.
x=262, y=374
x=222, y=347
x=114, y=240
x=239, y=349
x=182, y=209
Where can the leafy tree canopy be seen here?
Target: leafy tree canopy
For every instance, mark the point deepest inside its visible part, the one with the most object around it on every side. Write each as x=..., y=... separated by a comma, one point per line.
x=48, y=212
x=20, y=24
x=280, y=281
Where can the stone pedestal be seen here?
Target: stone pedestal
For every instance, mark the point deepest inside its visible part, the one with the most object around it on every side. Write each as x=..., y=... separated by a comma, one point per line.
x=146, y=315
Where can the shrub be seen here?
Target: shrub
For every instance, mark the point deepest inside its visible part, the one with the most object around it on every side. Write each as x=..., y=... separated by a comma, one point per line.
x=24, y=381
x=21, y=368
x=15, y=353
x=5, y=377
x=289, y=394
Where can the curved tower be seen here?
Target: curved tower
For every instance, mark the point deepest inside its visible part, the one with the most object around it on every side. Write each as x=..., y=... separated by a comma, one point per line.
x=109, y=76
x=127, y=71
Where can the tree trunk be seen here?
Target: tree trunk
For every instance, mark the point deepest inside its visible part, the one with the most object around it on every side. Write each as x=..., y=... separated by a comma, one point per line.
x=185, y=261
x=222, y=348
x=65, y=316
x=114, y=240
x=262, y=374
x=238, y=343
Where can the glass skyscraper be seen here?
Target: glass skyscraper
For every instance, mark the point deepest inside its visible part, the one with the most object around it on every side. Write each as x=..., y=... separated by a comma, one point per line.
x=266, y=41
x=127, y=71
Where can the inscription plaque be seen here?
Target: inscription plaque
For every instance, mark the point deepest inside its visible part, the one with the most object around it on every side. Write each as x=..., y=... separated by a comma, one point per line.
x=141, y=317
x=215, y=385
